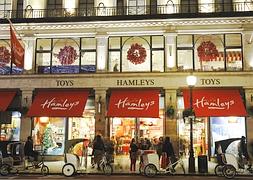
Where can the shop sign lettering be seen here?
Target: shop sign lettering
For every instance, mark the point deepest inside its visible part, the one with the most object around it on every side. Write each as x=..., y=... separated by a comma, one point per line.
x=64, y=83
x=55, y=104
x=134, y=104
x=136, y=82
x=210, y=81
x=215, y=104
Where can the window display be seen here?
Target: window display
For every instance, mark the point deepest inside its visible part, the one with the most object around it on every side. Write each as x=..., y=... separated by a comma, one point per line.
x=226, y=127
x=51, y=133
x=11, y=131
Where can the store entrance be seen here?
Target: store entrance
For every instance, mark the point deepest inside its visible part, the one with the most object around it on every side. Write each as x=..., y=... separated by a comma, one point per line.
x=124, y=129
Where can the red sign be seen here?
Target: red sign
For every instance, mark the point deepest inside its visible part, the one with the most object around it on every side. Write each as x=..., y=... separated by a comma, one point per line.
x=134, y=103
x=215, y=102
x=5, y=99
x=17, y=50
x=58, y=104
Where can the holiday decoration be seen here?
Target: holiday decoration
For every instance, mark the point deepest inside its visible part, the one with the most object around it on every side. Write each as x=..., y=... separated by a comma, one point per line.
x=48, y=138
x=67, y=55
x=5, y=56
x=136, y=54
x=207, y=51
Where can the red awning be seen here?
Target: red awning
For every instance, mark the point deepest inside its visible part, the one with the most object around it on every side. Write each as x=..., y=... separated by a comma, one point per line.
x=215, y=102
x=5, y=99
x=134, y=103
x=67, y=103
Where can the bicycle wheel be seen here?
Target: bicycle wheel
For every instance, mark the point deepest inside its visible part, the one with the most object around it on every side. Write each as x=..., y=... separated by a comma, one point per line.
x=107, y=169
x=218, y=170
x=229, y=171
x=150, y=170
x=44, y=170
x=5, y=169
x=68, y=170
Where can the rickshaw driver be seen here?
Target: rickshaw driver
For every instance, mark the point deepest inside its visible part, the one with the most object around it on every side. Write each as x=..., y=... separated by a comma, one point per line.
x=28, y=149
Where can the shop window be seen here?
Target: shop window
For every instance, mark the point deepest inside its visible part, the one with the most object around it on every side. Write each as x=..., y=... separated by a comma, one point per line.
x=136, y=54
x=50, y=132
x=224, y=128
x=220, y=52
x=10, y=126
x=66, y=56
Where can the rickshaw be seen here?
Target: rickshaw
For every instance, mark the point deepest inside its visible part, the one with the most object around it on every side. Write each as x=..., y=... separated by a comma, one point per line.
x=150, y=164
x=228, y=162
x=73, y=152
x=16, y=161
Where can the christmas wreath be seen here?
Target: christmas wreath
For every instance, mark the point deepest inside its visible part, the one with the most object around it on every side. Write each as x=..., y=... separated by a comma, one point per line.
x=67, y=55
x=207, y=51
x=136, y=54
x=5, y=55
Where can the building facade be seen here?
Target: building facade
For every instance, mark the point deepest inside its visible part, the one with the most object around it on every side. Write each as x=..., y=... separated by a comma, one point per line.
x=97, y=53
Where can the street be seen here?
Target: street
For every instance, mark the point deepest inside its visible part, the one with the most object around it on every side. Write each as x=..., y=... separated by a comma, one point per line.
x=121, y=177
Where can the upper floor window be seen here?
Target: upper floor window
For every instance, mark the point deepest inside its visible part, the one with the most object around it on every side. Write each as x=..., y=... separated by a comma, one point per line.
x=86, y=7
x=5, y=8
x=220, y=52
x=75, y=55
x=6, y=66
x=136, y=54
x=54, y=8
x=136, y=7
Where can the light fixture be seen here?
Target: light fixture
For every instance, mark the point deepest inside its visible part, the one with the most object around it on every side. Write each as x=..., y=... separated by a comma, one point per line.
x=99, y=103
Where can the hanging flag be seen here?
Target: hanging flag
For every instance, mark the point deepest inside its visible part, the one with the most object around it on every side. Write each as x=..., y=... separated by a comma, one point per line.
x=17, y=50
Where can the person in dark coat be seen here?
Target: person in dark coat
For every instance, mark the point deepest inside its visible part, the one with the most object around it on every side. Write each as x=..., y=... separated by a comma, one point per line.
x=28, y=149
x=133, y=154
x=98, y=150
x=168, y=151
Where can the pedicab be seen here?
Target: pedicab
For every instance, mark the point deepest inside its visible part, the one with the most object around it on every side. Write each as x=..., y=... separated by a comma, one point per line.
x=150, y=164
x=229, y=164
x=16, y=161
x=73, y=164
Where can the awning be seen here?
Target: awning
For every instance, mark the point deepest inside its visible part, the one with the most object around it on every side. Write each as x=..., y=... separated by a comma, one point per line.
x=67, y=103
x=5, y=99
x=134, y=103
x=215, y=102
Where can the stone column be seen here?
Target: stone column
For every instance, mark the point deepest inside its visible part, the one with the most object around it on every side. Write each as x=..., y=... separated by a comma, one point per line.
x=170, y=51
x=101, y=123
x=26, y=122
x=170, y=120
x=102, y=52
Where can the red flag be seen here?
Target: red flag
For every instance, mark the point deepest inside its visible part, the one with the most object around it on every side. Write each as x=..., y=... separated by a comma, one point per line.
x=17, y=50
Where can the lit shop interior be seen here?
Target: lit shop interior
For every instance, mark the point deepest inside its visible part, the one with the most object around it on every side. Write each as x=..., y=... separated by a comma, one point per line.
x=53, y=132
x=206, y=131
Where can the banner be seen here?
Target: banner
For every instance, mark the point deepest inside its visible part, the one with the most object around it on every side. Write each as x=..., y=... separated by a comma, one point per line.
x=17, y=50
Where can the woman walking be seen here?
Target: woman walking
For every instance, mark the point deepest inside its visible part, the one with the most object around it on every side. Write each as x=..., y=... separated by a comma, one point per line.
x=133, y=154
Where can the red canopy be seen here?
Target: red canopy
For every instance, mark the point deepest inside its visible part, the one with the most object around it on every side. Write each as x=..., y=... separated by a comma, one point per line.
x=215, y=102
x=5, y=99
x=134, y=103
x=67, y=103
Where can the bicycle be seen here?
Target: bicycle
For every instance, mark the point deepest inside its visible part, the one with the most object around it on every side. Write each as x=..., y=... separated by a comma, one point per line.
x=105, y=164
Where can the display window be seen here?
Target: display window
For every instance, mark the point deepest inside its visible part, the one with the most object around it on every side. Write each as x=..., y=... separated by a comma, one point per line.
x=11, y=130
x=83, y=127
x=200, y=140
x=225, y=128
x=124, y=129
x=50, y=132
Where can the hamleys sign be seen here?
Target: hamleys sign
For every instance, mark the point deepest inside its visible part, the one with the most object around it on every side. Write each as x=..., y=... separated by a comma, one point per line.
x=59, y=104
x=215, y=102
x=134, y=103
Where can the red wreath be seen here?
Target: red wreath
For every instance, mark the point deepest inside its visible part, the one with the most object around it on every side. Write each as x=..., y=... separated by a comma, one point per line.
x=5, y=56
x=67, y=55
x=207, y=51
x=136, y=54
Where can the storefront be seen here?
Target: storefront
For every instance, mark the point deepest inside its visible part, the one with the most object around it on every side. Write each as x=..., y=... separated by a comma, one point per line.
x=220, y=114
x=10, y=116
x=61, y=115
x=135, y=113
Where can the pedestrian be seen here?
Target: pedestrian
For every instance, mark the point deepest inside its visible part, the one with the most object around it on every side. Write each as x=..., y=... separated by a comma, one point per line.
x=159, y=147
x=98, y=150
x=133, y=154
x=168, y=152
